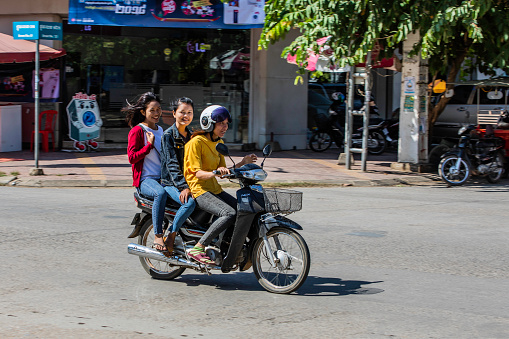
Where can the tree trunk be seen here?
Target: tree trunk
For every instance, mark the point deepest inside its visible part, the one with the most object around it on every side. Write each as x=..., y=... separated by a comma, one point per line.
x=435, y=111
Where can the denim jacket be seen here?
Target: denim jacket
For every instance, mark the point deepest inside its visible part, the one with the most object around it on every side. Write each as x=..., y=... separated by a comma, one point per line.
x=172, y=158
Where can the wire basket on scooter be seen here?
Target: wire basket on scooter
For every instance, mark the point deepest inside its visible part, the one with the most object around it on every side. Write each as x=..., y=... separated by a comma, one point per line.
x=282, y=201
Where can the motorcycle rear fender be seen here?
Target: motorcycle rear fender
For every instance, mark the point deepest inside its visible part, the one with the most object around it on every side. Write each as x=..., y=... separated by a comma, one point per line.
x=138, y=221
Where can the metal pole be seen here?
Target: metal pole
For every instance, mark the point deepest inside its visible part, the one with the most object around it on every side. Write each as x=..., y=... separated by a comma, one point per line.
x=36, y=97
x=367, y=99
x=348, y=119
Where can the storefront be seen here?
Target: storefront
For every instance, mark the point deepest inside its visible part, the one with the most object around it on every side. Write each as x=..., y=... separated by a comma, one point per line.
x=147, y=49
x=211, y=66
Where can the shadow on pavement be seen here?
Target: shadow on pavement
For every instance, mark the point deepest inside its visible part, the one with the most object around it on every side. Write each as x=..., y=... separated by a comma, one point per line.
x=314, y=286
x=323, y=286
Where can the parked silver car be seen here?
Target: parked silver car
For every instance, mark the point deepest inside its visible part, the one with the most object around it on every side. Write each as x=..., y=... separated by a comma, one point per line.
x=462, y=109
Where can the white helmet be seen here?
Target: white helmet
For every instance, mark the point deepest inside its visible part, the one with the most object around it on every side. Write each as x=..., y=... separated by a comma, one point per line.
x=213, y=114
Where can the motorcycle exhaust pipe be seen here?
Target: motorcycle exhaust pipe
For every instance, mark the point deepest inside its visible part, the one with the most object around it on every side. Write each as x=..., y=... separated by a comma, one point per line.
x=146, y=252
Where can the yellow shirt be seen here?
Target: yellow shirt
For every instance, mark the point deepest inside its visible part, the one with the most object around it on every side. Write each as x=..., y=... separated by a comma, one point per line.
x=200, y=154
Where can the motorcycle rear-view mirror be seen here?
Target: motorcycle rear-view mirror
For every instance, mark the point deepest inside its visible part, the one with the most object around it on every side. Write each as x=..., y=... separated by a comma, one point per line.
x=267, y=150
x=222, y=149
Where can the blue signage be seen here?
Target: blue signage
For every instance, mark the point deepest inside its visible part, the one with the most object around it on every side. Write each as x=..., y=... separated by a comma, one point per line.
x=234, y=14
x=33, y=30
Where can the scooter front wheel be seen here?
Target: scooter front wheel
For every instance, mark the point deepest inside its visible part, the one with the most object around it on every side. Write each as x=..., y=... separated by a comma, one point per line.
x=320, y=141
x=157, y=269
x=292, y=261
x=452, y=172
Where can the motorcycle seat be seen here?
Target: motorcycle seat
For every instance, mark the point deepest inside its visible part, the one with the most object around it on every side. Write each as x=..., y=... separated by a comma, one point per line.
x=169, y=202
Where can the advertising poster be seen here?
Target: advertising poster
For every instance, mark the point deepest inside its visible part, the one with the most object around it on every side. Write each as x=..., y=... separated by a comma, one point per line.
x=16, y=83
x=168, y=13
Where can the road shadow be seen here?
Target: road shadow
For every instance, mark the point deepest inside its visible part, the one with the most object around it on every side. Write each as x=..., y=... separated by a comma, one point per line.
x=313, y=286
x=241, y=281
x=326, y=286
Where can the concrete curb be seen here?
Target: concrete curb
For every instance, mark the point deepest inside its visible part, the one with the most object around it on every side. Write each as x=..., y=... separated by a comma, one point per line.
x=6, y=180
x=408, y=181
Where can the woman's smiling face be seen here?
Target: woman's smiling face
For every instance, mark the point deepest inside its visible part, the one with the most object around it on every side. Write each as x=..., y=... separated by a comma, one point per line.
x=152, y=112
x=220, y=128
x=183, y=114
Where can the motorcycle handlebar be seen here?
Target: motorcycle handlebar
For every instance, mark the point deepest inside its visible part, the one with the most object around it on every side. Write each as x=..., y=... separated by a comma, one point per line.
x=231, y=175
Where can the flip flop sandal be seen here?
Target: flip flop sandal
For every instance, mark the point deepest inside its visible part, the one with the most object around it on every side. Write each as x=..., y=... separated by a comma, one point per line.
x=202, y=258
x=160, y=248
x=166, y=246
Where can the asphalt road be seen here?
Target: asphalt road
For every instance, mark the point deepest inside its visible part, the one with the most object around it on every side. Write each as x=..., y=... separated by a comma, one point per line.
x=400, y=262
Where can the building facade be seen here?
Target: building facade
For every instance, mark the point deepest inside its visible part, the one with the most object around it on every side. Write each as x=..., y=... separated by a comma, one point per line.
x=211, y=66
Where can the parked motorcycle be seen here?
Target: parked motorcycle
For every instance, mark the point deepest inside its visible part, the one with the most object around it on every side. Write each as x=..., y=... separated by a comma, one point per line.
x=483, y=156
x=270, y=243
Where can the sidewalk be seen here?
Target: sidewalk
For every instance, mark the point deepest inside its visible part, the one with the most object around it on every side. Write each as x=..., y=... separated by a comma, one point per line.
x=110, y=168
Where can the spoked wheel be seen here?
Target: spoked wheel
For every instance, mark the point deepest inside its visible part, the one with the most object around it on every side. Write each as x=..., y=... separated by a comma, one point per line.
x=157, y=269
x=292, y=261
x=376, y=143
x=320, y=141
x=496, y=173
x=452, y=172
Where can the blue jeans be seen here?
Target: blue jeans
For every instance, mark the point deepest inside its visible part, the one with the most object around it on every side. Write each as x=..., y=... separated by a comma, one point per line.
x=153, y=189
x=184, y=211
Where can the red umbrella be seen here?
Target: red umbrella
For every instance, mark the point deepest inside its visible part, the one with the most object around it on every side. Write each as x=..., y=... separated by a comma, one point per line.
x=12, y=50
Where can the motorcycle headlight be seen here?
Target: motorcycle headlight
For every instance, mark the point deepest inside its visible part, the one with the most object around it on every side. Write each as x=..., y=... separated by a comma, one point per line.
x=254, y=174
x=462, y=130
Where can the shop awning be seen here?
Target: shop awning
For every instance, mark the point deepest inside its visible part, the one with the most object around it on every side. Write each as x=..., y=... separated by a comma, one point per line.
x=12, y=50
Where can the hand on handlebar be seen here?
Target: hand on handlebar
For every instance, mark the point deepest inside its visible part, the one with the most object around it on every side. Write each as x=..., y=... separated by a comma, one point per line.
x=221, y=172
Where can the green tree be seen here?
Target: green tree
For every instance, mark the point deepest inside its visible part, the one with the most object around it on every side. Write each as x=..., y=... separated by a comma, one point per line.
x=451, y=32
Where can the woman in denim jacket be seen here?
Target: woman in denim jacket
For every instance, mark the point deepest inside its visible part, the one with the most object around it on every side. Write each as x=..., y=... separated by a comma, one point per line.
x=172, y=164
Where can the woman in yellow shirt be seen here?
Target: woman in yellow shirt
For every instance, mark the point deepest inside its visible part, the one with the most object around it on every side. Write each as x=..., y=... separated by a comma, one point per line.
x=200, y=159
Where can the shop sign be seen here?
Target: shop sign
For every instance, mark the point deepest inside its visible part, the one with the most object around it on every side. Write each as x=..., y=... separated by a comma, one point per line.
x=168, y=13
x=34, y=30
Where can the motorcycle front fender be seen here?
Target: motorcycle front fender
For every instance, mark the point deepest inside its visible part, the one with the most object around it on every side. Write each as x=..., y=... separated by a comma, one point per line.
x=281, y=221
x=456, y=152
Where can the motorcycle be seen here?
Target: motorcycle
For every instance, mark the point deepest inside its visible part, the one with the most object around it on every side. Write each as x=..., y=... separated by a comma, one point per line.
x=262, y=237
x=484, y=157
x=330, y=131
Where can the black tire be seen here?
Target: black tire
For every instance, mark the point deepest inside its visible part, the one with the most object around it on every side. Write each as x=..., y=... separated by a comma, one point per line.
x=495, y=177
x=156, y=269
x=293, y=254
x=376, y=143
x=435, y=155
x=320, y=141
x=449, y=173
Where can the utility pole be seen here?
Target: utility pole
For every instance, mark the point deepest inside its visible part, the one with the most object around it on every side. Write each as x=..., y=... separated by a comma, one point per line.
x=413, y=120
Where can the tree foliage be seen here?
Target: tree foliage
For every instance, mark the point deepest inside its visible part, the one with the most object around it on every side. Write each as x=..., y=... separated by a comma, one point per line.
x=451, y=31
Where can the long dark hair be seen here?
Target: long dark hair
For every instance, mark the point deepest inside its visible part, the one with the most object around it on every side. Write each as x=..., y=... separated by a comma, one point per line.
x=176, y=103
x=132, y=112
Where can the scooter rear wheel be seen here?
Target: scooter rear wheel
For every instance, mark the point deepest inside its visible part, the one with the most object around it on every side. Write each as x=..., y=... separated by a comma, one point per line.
x=293, y=261
x=157, y=269
x=320, y=141
x=376, y=143
x=495, y=176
